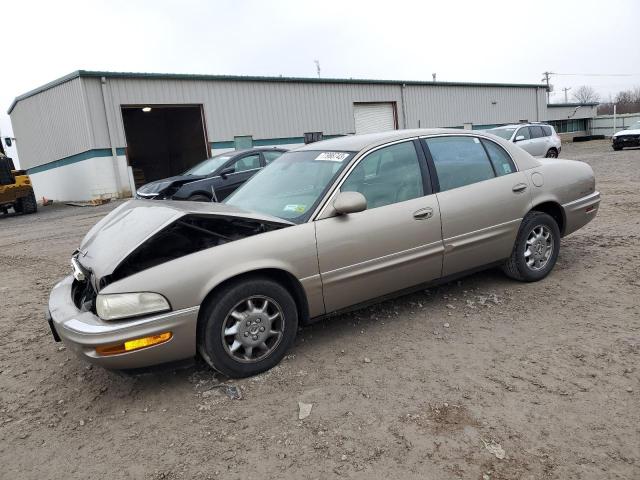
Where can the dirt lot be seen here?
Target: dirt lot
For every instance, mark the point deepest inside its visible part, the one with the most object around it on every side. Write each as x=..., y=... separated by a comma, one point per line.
x=549, y=371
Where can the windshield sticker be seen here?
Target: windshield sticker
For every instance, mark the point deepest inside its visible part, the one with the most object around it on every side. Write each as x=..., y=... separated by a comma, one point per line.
x=332, y=156
x=476, y=140
x=295, y=208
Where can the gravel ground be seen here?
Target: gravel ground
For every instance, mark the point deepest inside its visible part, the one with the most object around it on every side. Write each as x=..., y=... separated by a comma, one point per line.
x=438, y=384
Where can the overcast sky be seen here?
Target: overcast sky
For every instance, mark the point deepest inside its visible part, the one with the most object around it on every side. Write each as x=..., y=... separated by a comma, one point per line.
x=480, y=41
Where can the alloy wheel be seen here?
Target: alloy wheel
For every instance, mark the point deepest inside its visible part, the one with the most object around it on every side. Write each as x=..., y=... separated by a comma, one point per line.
x=539, y=247
x=253, y=329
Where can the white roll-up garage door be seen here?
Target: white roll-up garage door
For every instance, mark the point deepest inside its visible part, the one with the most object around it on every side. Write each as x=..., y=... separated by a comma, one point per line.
x=374, y=117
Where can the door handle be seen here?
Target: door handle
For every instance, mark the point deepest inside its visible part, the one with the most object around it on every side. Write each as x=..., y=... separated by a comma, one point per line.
x=520, y=187
x=423, y=213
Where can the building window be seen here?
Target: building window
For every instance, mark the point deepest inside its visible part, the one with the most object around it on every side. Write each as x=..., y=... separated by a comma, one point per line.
x=569, y=126
x=243, y=142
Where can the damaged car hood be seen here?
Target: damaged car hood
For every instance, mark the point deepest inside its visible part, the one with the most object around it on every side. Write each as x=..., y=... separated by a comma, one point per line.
x=160, y=186
x=118, y=234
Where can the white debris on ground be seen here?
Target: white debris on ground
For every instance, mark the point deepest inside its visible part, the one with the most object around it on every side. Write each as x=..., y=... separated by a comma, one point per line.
x=304, y=410
x=494, y=449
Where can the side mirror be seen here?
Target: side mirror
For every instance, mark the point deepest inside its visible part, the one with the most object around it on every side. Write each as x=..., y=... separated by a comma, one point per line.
x=7, y=141
x=349, y=202
x=518, y=138
x=226, y=172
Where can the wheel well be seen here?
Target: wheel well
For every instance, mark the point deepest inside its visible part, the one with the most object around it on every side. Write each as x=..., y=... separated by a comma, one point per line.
x=200, y=192
x=555, y=210
x=283, y=277
x=553, y=148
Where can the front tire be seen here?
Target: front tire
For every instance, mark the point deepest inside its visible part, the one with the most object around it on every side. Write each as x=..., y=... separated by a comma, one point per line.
x=552, y=153
x=247, y=327
x=617, y=148
x=536, y=249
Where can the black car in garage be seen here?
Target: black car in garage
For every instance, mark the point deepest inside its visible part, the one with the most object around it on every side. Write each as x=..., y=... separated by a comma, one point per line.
x=212, y=179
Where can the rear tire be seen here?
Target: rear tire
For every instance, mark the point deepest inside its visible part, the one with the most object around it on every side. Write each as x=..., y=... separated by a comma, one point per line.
x=29, y=204
x=247, y=327
x=552, y=153
x=536, y=249
x=199, y=198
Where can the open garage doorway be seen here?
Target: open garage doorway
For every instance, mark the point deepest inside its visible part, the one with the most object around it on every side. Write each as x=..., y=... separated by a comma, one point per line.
x=163, y=140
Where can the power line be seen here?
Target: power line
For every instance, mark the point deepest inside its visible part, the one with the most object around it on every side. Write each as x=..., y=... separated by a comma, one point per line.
x=595, y=74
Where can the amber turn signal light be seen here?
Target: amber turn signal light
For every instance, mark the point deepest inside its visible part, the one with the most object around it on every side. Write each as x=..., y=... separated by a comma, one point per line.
x=136, y=344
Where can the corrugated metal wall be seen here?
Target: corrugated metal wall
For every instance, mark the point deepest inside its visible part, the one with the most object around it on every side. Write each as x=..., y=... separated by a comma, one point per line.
x=52, y=125
x=261, y=109
x=71, y=118
x=452, y=106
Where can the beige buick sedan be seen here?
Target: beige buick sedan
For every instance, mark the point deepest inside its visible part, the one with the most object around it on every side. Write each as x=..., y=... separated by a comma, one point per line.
x=323, y=229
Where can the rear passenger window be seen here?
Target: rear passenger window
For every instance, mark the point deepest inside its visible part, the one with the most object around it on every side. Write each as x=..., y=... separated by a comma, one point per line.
x=459, y=161
x=536, y=132
x=547, y=130
x=502, y=163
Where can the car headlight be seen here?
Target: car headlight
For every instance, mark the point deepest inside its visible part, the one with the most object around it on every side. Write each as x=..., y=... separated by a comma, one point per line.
x=123, y=305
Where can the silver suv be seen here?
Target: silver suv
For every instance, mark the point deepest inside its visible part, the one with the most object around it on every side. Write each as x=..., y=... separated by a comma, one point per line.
x=538, y=139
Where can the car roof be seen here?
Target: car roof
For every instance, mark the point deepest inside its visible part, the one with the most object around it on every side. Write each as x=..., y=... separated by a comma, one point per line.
x=355, y=143
x=516, y=125
x=256, y=149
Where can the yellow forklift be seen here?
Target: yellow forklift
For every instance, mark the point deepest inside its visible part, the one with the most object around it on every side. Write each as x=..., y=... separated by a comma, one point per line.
x=16, y=190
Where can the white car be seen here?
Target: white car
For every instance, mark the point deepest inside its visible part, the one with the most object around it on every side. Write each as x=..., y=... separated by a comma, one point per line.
x=539, y=140
x=629, y=137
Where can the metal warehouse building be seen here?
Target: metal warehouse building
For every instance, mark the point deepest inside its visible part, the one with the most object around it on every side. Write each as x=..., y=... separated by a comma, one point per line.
x=101, y=134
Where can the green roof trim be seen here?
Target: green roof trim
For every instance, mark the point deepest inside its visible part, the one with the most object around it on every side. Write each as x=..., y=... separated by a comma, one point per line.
x=71, y=159
x=250, y=78
x=560, y=105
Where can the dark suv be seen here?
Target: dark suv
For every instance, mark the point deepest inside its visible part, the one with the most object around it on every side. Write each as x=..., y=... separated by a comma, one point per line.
x=213, y=179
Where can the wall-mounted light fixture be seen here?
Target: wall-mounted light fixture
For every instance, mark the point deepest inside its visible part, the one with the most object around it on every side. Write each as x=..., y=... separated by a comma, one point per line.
x=146, y=109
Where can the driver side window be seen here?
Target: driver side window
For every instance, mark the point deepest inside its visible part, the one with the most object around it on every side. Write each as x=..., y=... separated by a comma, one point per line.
x=250, y=162
x=524, y=131
x=389, y=175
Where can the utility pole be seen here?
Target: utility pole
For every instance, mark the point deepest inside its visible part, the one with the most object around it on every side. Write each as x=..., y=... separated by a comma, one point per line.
x=545, y=78
x=565, y=90
x=317, y=62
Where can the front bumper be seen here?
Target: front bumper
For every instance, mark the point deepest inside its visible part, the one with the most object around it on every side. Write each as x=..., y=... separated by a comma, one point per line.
x=627, y=141
x=82, y=332
x=580, y=212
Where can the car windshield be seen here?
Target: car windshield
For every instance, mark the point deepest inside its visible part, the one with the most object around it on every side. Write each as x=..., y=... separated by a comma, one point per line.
x=208, y=166
x=502, y=132
x=291, y=186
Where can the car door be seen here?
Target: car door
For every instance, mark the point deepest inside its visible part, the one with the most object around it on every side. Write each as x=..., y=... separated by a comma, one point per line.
x=237, y=171
x=538, y=141
x=482, y=199
x=522, y=138
x=395, y=243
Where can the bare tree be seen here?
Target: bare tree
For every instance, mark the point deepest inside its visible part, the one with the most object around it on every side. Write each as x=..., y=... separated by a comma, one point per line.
x=586, y=94
x=626, y=101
